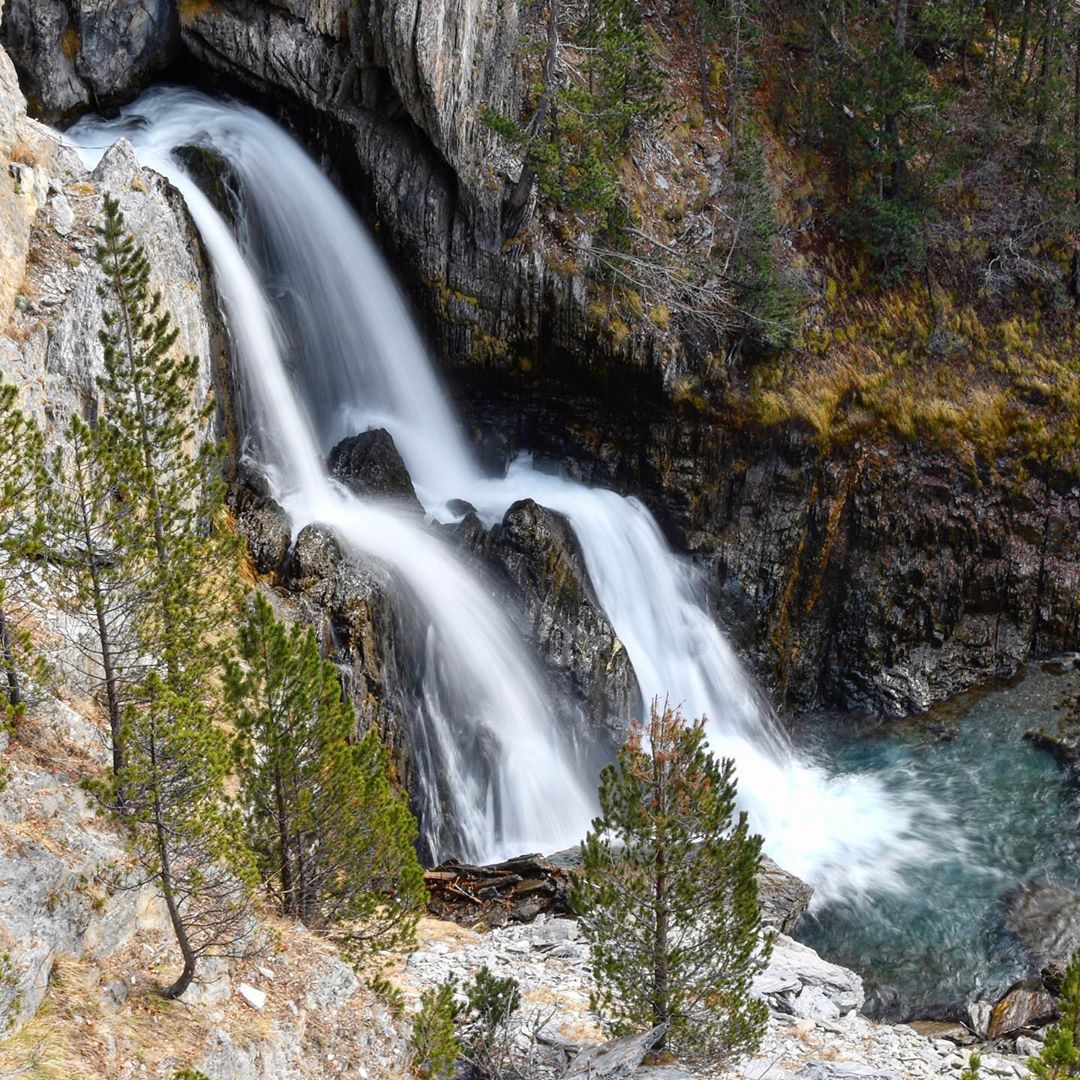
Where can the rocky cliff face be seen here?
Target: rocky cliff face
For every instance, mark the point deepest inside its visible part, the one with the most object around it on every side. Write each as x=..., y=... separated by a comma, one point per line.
x=873, y=576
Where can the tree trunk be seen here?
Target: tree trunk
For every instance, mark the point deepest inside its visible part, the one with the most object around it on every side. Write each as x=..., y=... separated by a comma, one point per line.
x=516, y=206
x=892, y=124
x=660, y=947
x=288, y=889
x=11, y=672
x=1025, y=37
x=167, y=891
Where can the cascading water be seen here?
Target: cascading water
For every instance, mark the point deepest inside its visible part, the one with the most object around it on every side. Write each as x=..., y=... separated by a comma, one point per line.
x=496, y=775
x=491, y=754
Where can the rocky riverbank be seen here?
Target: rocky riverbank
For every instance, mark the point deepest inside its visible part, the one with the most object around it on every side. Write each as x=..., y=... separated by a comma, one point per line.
x=815, y=1031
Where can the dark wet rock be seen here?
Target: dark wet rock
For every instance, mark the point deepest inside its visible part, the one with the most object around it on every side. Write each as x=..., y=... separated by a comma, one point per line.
x=369, y=465
x=1062, y=741
x=1045, y=920
x=314, y=558
x=538, y=552
x=1026, y=1004
x=617, y=1059
x=265, y=525
x=461, y=506
x=71, y=54
x=783, y=896
x=468, y=534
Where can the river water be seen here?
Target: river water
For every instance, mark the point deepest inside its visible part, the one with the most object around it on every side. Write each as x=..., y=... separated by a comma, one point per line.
x=1003, y=814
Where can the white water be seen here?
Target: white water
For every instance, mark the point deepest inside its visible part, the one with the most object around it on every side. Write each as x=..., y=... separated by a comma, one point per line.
x=328, y=349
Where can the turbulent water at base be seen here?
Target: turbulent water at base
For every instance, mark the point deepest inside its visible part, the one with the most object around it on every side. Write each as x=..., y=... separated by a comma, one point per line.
x=1007, y=816
x=327, y=349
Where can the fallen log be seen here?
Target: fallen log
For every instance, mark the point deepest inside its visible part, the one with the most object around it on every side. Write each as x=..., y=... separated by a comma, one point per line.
x=483, y=897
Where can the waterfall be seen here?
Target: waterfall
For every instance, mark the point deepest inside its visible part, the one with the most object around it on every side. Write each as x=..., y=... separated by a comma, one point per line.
x=327, y=348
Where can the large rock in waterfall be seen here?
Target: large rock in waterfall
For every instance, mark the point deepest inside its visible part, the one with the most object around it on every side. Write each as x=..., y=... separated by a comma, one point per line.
x=783, y=896
x=370, y=465
x=538, y=554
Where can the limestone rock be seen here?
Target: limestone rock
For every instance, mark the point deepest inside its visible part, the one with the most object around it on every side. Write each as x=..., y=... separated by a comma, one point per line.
x=614, y=1060
x=72, y=53
x=846, y=1070
x=369, y=465
x=51, y=851
x=800, y=983
x=1026, y=1004
x=784, y=897
x=254, y=997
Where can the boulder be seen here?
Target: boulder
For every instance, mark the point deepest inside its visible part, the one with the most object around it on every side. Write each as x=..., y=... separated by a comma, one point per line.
x=1045, y=920
x=266, y=526
x=315, y=556
x=1026, y=1004
x=538, y=554
x=846, y=1070
x=369, y=465
x=798, y=982
x=784, y=897
x=617, y=1059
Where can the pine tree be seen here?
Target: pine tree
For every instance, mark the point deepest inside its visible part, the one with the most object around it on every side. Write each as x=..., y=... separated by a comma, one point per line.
x=21, y=450
x=90, y=516
x=170, y=793
x=155, y=425
x=1060, y=1054
x=668, y=896
x=334, y=840
x=184, y=836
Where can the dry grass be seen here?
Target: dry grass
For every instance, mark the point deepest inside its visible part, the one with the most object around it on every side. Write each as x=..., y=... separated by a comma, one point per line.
x=192, y=9
x=960, y=377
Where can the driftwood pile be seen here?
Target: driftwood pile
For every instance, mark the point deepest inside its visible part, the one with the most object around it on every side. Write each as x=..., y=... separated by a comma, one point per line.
x=488, y=896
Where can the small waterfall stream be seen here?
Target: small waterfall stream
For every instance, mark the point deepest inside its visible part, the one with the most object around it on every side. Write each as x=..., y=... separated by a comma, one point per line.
x=327, y=348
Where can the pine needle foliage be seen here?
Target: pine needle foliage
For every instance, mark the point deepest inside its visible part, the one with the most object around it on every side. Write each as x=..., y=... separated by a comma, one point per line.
x=21, y=450
x=184, y=836
x=335, y=842
x=149, y=404
x=668, y=896
x=91, y=519
x=433, y=1042
x=1060, y=1054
